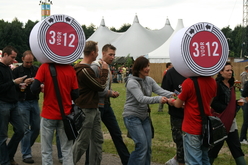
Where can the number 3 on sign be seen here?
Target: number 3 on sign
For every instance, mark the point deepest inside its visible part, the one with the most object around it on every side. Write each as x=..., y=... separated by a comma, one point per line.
x=200, y=49
x=58, y=40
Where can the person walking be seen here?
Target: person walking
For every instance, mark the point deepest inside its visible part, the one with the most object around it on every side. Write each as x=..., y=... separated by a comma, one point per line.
x=224, y=106
x=107, y=113
x=51, y=118
x=10, y=113
x=139, y=88
x=28, y=105
x=172, y=81
x=89, y=86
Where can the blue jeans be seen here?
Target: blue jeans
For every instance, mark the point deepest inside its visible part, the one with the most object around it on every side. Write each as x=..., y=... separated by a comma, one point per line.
x=48, y=127
x=9, y=112
x=30, y=112
x=194, y=152
x=141, y=133
x=244, y=127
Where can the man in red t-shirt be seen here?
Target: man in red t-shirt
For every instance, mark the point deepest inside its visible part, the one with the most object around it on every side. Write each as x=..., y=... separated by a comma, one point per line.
x=195, y=153
x=51, y=117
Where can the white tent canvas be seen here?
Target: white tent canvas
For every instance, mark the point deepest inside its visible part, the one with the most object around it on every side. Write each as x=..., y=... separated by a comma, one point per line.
x=103, y=36
x=161, y=54
x=137, y=40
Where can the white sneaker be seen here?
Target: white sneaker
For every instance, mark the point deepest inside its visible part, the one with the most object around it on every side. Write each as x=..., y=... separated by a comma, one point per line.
x=244, y=142
x=172, y=161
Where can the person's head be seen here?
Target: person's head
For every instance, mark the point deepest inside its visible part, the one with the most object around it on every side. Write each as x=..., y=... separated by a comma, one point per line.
x=108, y=53
x=141, y=67
x=227, y=73
x=28, y=59
x=169, y=65
x=246, y=68
x=8, y=55
x=91, y=49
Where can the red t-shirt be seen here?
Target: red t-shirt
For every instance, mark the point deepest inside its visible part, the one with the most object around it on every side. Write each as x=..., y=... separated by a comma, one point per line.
x=192, y=122
x=67, y=81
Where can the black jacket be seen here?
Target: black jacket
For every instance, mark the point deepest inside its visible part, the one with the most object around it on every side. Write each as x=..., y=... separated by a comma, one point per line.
x=172, y=81
x=7, y=86
x=30, y=72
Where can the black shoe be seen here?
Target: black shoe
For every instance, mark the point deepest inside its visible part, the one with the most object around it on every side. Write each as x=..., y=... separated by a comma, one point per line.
x=13, y=162
x=28, y=160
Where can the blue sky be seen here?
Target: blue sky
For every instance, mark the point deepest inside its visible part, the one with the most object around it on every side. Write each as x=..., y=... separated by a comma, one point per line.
x=151, y=13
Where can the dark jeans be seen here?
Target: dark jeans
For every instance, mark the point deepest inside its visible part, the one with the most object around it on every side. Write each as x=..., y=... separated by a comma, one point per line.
x=109, y=119
x=9, y=113
x=245, y=123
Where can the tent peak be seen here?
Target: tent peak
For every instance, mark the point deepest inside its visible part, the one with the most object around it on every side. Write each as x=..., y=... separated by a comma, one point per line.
x=136, y=20
x=167, y=21
x=102, y=22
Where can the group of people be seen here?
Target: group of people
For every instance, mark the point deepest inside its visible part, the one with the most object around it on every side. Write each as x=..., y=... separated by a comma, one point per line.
x=88, y=85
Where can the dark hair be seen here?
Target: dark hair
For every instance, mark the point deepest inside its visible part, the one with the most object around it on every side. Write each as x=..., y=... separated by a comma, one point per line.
x=140, y=63
x=168, y=64
x=108, y=46
x=89, y=47
x=8, y=50
x=220, y=78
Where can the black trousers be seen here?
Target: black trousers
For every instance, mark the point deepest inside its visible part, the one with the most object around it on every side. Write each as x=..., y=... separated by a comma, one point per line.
x=233, y=144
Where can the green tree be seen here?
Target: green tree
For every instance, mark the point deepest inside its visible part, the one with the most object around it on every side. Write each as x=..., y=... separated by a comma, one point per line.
x=88, y=31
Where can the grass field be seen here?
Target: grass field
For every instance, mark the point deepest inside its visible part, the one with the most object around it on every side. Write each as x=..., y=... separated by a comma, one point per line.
x=163, y=147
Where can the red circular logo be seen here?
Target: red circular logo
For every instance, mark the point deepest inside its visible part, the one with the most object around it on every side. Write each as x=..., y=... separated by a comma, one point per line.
x=62, y=39
x=205, y=49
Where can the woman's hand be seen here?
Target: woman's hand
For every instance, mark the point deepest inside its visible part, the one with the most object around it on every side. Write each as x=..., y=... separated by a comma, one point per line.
x=164, y=100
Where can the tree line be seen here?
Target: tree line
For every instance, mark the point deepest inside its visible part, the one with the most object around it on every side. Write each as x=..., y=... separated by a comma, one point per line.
x=16, y=33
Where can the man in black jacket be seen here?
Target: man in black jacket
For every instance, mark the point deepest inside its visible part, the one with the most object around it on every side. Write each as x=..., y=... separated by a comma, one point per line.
x=172, y=82
x=8, y=108
x=28, y=105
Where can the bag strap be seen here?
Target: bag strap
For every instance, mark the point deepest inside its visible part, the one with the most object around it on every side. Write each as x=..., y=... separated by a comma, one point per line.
x=56, y=87
x=199, y=98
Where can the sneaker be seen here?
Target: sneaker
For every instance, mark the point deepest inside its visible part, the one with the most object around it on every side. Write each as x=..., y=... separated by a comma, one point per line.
x=13, y=162
x=28, y=160
x=172, y=161
x=244, y=142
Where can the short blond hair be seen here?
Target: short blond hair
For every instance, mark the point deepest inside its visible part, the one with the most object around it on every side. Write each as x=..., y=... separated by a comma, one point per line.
x=89, y=47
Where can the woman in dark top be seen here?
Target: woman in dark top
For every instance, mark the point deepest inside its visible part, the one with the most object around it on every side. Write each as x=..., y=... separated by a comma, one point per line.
x=224, y=106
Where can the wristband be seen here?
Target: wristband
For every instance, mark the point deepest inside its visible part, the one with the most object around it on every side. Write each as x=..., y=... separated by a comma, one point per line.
x=173, y=100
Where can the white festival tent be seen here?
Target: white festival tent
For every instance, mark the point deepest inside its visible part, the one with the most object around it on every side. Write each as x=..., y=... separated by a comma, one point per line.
x=138, y=41
x=103, y=36
x=161, y=54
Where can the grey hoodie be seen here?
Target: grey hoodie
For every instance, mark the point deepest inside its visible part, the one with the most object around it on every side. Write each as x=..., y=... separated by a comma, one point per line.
x=136, y=101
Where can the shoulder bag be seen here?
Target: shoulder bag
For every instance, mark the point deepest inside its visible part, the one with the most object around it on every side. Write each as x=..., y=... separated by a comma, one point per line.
x=73, y=122
x=213, y=130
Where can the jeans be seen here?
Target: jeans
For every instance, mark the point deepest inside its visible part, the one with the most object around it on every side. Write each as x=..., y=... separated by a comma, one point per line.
x=109, y=119
x=30, y=112
x=48, y=127
x=194, y=152
x=245, y=123
x=91, y=134
x=9, y=112
x=141, y=133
